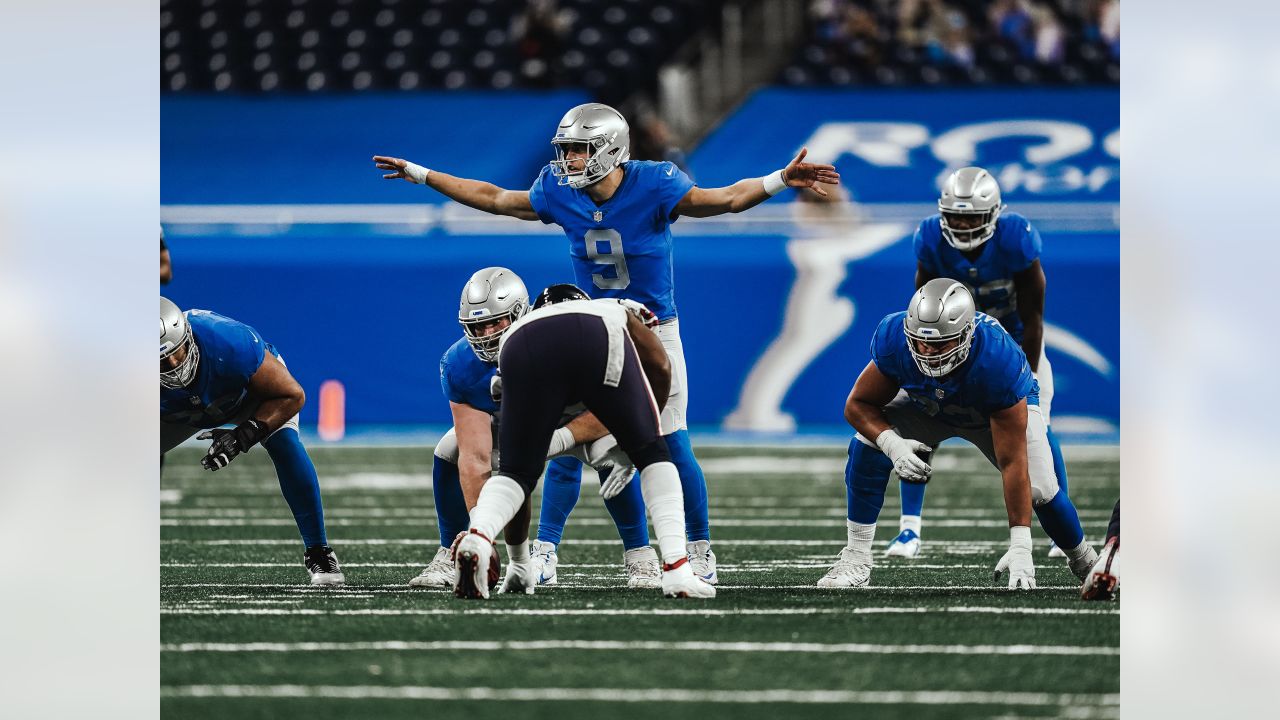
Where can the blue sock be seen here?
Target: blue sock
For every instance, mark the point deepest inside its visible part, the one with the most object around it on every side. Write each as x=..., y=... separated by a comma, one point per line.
x=451, y=508
x=912, y=497
x=1059, y=465
x=559, y=495
x=694, y=485
x=1060, y=521
x=298, y=484
x=627, y=510
x=866, y=476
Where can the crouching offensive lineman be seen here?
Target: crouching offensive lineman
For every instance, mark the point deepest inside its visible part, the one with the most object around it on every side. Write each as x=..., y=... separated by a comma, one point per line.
x=216, y=371
x=942, y=370
x=571, y=350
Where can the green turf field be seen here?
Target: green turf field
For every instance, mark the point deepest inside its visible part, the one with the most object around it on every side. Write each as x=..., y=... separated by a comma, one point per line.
x=244, y=637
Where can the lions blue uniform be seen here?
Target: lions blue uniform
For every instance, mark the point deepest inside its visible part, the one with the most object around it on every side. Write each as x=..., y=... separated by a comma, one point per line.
x=994, y=377
x=230, y=353
x=621, y=249
x=1012, y=249
x=465, y=378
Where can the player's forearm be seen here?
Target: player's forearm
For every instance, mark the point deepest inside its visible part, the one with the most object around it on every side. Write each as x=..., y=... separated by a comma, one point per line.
x=1017, y=492
x=1033, y=340
x=585, y=428
x=472, y=193
x=866, y=418
x=747, y=194
x=275, y=412
x=472, y=473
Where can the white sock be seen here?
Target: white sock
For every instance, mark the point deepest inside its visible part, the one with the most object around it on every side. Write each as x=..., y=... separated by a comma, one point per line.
x=518, y=553
x=909, y=522
x=860, y=537
x=660, y=486
x=500, y=499
x=1079, y=551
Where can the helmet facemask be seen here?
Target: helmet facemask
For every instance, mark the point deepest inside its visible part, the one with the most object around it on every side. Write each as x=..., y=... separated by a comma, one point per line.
x=485, y=346
x=968, y=238
x=183, y=372
x=602, y=158
x=939, y=364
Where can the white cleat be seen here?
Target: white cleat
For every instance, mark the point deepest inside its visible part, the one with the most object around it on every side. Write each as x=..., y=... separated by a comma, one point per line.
x=847, y=572
x=703, y=560
x=1081, y=566
x=473, y=555
x=1104, y=577
x=1055, y=551
x=644, y=572
x=520, y=579
x=543, y=560
x=439, y=573
x=680, y=582
x=906, y=545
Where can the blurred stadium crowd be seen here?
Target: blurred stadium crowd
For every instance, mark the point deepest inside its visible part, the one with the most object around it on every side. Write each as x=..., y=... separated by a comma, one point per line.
x=613, y=48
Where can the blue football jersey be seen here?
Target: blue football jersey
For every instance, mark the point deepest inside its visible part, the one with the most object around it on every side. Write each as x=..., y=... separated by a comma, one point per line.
x=465, y=378
x=1012, y=249
x=994, y=376
x=621, y=249
x=230, y=353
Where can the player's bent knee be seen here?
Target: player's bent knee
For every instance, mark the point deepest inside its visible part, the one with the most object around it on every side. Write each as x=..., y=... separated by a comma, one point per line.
x=447, y=448
x=525, y=480
x=654, y=452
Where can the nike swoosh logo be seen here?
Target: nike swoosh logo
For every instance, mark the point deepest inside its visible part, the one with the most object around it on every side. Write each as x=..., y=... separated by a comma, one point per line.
x=671, y=169
x=590, y=127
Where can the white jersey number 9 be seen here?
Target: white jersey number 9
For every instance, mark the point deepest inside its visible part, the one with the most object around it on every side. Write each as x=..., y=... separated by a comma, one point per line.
x=611, y=256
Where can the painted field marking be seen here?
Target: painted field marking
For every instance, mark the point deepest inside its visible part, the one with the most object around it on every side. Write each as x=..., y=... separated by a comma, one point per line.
x=656, y=695
x=834, y=543
x=203, y=609
x=762, y=566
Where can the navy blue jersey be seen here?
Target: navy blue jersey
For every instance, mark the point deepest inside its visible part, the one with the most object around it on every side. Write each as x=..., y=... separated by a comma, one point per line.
x=1012, y=249
x=995, y=376
x=230, y=353
x=465, y=378
x=621, y=249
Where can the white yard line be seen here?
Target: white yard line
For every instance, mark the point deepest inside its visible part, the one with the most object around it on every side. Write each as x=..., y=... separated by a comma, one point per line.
x=634, y=645
x=833, y=543
x=206, y=609
x=656, y=695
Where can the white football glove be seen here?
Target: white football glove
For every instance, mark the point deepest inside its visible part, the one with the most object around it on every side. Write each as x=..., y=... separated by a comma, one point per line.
x=519, y=579
x=1022, y=570
x=902, y=452
x=642, y=313
x=605, y=452
x=619, y=477
x=597, y=451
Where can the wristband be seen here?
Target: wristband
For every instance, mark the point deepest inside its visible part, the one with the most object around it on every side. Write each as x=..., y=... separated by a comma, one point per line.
x=416, y=173
x=773, y=183
x=250, y=433
x=888, y=442
x=520, y=553
x=561, y=440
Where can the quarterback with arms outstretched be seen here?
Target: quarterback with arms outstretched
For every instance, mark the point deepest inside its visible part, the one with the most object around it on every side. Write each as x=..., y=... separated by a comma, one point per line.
x=942, y=370
x=617, y=215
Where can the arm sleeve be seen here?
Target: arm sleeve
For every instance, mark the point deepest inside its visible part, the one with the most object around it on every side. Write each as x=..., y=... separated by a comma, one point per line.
x=538, y=196
x=672, y=184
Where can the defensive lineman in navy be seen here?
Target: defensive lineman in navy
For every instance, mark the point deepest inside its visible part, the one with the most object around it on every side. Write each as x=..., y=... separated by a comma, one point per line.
x=617, y=215
x=215, y=371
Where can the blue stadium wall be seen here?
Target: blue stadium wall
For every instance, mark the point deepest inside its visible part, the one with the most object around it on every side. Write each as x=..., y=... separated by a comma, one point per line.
x=276, y=216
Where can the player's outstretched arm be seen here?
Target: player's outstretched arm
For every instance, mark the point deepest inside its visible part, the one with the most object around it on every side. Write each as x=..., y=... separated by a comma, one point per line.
x=475, y=449
x=745, y=194
x=472, y=193
x=1030, y=285
x=1009, y=439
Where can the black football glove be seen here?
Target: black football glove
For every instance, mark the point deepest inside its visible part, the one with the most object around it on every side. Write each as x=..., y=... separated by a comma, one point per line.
x=227, y=444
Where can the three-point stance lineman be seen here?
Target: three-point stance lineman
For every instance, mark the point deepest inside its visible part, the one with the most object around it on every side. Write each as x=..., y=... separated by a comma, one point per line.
x=215, y=371
x=568, y=351
x=617, y=215
x=943, y=370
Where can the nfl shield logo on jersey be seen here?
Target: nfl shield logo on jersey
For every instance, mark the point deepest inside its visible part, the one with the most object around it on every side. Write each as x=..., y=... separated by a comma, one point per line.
x=598, y=215
x=940, y=393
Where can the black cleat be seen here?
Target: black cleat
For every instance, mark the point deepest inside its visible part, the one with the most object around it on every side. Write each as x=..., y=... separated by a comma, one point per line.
x=322, y=566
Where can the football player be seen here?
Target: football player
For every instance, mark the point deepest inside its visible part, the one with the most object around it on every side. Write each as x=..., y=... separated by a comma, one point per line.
x=617, y=215
x=492, y=299
x=215, y=371
x=996, y=254
x=1104, y=578
x=622, y=374
x=942, y=370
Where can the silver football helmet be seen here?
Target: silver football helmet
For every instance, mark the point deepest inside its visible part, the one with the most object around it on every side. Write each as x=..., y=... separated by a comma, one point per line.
x=491, y=294
x=179, y=354
x=970, y=206
x=939, y=326
x=605, y=133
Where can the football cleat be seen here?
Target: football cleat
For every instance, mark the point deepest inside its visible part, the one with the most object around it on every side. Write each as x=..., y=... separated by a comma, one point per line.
x=906, y=545
x=848, y=572
x=1055, y=551
x=702, y=560
x=1081, y=566
x=478, y=566
x=439, y=573
x=678, y=581
x=643, y=569
x=322, y=566
x=543, y=560
x=1104, y=577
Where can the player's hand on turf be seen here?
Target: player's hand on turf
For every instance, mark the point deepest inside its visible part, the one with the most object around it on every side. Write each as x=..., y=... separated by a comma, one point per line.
x=799, y=174
x=227, y=444
x=400, y=168
x=519, y=578
x=642, y=313
x=1017, y=561
x=619, y=477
